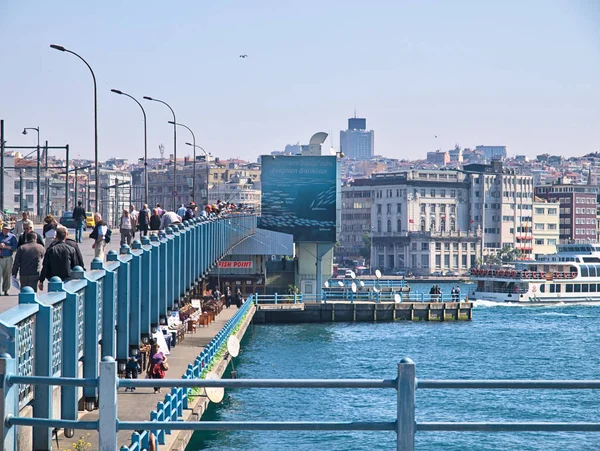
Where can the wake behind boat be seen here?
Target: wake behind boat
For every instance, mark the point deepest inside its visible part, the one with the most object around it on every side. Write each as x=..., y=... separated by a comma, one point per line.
x=571, y=276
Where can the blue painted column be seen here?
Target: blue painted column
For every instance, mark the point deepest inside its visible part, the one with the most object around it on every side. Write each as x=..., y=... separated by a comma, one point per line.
x=177, y=256
x=109, y=302
x=188, y=251
x=170, y=270
x=123, y=302
x=183, y=236
x=146, y=285
x=73, y=339
x=155, y=282
x=94, y=296
x=163, y=280
x=9, y=395
x=45, y=353
x=135, y=327
x=194, y=250
x=202, y=248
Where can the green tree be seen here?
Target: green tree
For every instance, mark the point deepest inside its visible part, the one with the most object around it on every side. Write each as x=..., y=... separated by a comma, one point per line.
x=365, y=250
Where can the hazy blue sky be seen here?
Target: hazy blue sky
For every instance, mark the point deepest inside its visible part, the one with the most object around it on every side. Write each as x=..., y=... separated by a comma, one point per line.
x=521, y=73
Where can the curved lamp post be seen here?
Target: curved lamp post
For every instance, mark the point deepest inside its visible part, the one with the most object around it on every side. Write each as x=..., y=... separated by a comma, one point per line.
x=206, y=161
x=194, y=164
x=116, y=91
x=174, y=150
x=96, y=175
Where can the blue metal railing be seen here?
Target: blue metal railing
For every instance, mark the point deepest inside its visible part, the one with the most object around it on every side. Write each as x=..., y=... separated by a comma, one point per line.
x=406, y=384
x=52, y=334
x=349, y=295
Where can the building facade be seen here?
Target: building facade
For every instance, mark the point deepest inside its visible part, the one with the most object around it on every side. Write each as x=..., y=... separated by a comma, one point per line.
x=357, y=142
x=545, y=227
x=577, y=221
x=356, y=222
x=492, y=152
x=420, y=222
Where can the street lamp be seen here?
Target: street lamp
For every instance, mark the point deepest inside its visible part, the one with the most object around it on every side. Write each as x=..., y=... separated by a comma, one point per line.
x=116, y=91
x=174, y=150
x=194, y=164
x=206, y=161
x=37, y=129
x=96, y=175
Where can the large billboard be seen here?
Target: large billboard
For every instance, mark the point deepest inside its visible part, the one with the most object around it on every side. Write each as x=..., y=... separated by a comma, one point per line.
x=300, y=196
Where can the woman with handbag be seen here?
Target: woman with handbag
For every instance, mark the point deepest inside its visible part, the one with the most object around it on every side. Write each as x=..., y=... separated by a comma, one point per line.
x=158, y=365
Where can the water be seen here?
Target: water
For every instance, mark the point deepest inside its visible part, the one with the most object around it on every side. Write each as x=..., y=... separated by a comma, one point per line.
x=501, y=342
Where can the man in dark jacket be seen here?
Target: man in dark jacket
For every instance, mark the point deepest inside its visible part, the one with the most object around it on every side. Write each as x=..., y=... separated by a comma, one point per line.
x=59, y=259
x=28, y=227
x=71, y=242
x=79, y=218
x=28, y=261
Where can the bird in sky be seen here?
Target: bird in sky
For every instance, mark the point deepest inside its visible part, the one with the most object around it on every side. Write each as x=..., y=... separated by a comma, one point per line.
x=244, y=56
x=436, y=136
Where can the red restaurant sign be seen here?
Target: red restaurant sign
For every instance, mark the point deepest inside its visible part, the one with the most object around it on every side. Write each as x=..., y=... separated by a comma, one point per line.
x=229, y=264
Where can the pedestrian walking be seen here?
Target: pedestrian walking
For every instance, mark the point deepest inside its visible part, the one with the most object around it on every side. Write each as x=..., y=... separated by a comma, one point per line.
x=155, y=221
x=132, y=369
x=79, y=218
x=283, y=263
x=59, y=260
x=157, y=366
x=126, y=228
x=181, y=211
x=133, y=214
x=99, y=236
x=18, y=230
x=239, y=300
x=159, y=210
x=8, y=245
x=228, y=297
x=71, y=242
x=143, y=221
x=28, y=261
x=49, y=230
x=28, y=227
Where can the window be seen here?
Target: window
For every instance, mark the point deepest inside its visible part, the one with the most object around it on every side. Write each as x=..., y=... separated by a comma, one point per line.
x=414, y=246
x=29, y=198
x=424, y=246
x=452, y=209
x=438, y=261
x=399, y=225
x=389, y=225
x=432, y=226
x=379, y=225
x=398, y=208
x=539, y=227
x=432, y=193
x=422, y=208
x=447, y=261
x=552, y=242
x=539, y=211
x=453, y=225
x=455, y=246
x=551, y=211
x=422, y=225
x=443, y=193
x=464, y=261
x=452, y=193
x=438, y=246
x=551, y=226
x=539, y=242
x=464, y=246
x=425, y=261
x=432, y=206
x=17, y=198
x=389, y=209
x=378, y=209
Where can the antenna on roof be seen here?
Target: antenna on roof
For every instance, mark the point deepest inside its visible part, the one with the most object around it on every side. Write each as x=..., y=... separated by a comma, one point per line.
x=161, y=149
x=354, y=113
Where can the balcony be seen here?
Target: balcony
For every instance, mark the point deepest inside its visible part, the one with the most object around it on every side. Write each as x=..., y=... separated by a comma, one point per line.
x=428, y=234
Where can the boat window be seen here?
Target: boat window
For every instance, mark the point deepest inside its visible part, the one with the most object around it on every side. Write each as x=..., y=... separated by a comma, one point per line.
x=584, y=271
x=584, y=287
x=577, y=288
x=543, y=288
x=592, y=287
x=591, y=259
x=593, y=270
x=569, y=288
x=552, y=288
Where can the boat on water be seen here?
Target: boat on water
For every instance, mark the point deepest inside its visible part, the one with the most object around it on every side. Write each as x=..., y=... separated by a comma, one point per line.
x=571, y=276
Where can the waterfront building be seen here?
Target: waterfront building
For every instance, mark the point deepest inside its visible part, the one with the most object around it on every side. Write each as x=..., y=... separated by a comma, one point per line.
x=420, y=221
x=578, y=206
x=501, y=206
x=545, y=227
x=356, y=221
x=357, y=142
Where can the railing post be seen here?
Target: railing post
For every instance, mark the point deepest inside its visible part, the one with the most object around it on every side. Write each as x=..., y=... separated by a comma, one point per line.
x=123, y=351
x=107, y=419
x=110, y=304
x=275, y=298
x=90, y=337
x=145, y=327
x=405, y=425
x=295, y=297
x=9, y=400
x=135, y=295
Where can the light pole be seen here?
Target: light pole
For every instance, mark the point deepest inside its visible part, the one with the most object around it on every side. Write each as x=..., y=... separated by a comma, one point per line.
x=206, y=161
x=194, y=164
x=96, y=175
x=116, y=91
x=174, y=150
x=37, y=129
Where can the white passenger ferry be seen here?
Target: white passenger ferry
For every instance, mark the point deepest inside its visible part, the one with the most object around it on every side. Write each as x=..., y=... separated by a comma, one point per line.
x=572, y=275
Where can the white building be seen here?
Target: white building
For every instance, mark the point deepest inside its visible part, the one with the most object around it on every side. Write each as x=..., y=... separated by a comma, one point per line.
x=545, y=227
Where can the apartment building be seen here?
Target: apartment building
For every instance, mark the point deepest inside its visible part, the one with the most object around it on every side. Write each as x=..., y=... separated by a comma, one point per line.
x=501, y=207
x=356, y=221
x=545, y=227
x=577, y=213
x=420, y=220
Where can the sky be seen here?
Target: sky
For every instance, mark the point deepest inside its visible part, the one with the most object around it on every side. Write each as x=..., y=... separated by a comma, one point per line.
x=525, y=74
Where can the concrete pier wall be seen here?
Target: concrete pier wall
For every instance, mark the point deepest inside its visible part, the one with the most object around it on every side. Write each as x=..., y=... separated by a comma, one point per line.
x=365, y=312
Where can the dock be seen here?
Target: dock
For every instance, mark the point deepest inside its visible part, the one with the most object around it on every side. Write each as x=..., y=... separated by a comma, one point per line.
x=362, y=311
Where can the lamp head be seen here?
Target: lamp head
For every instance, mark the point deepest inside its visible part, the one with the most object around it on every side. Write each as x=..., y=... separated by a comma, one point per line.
x=116, y=91
x=148, y=98
x=171, y=122
x=188, y=144
x=341, y=154
x=24, y=131
x=58, y=47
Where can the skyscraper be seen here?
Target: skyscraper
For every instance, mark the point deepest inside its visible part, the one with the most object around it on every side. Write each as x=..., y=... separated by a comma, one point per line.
x=357, y=142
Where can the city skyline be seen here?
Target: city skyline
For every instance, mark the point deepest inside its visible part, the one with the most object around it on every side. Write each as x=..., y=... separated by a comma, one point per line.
x=524, y=76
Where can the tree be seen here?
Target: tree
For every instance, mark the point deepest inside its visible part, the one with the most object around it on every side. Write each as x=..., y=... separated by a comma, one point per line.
x=365, y=250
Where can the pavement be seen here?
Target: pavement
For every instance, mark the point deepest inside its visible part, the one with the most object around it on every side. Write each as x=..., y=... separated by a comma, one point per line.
x=136, y=406
x=7, y=302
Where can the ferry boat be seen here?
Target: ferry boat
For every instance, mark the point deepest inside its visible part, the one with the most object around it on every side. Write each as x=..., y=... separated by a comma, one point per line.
x=570, y=276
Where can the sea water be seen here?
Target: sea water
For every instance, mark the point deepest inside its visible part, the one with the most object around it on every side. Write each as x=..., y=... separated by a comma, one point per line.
x=502, y=342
